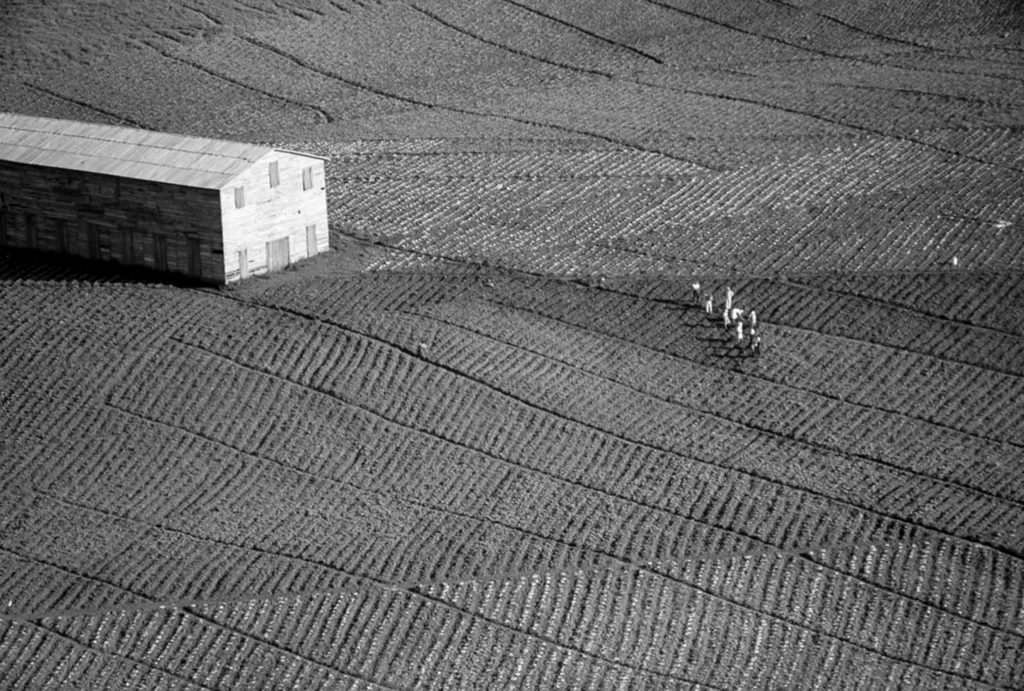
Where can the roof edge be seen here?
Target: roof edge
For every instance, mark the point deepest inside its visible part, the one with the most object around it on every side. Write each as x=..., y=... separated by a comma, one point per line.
x=302, y=153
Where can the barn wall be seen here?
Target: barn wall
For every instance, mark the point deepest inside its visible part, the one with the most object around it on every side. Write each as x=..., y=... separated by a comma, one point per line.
x=272, y=213
x=106, y=218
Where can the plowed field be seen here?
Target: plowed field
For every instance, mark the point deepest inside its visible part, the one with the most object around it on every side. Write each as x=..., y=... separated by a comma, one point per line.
x=490, y=441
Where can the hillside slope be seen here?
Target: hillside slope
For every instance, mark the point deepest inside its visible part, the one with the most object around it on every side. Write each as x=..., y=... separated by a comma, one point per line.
x=488, y=442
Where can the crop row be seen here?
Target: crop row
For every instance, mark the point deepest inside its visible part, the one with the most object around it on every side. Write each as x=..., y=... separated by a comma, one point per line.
x=882, y=232
x=801, y=360
x=62, y=345
x=802, y=303
x=1001, y=145
x=243, y=534
x=515, y=30
x=851, y=208
x=588, y=625
x=847, y=368
x=363, y=640
x=984, y=299
x=150, y=100
x=609, y=461
x=934, y=332
x=646, y=418
x=235, y=57
x=378, y=527
x=862, y=434
x=348, y=47
x=500, y=165
x=642, y=617
x=925, y=375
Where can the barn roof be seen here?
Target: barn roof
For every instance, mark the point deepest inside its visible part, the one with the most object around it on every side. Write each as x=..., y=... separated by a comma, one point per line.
x=125, y=151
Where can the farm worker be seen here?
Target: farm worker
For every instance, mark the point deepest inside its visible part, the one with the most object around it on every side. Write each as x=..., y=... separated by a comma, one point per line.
x=755, y=343
x=739, y=331
x=709, y=304
x=725, y=318
x=695, y=291
x=753, y=321
x=735, y=314
x=729, y=293
x=956, y=262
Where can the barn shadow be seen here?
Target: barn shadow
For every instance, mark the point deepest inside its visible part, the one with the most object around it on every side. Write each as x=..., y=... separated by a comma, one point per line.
x=19, y=264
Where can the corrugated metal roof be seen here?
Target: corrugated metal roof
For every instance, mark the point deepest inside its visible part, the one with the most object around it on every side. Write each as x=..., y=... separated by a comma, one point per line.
x=125, y=152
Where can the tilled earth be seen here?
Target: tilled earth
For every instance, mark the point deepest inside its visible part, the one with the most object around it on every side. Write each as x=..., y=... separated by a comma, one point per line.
x=490, y=441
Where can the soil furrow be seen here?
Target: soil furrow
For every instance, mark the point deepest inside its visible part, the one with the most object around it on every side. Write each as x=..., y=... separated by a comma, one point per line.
x=282, y=650
x=652, y=447
x=901, y=306
x=835, y=121
x=819, y=52
x=786, y=385
x=762, y=429
x=205, y=15
x=107, y=654
x=507, y=48
x=585, y=32
x=467, y=111
x=323, y=114
x=110, y=114
x=763, y=545
x=414, y=589
x=579, y=650
x=857, y=29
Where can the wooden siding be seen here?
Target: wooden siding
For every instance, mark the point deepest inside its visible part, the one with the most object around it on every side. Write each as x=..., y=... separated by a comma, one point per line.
x=113, y=219
x=273, y=213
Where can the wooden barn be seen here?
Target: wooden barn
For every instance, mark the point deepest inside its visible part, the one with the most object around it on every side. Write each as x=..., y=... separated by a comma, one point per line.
x=213, y=210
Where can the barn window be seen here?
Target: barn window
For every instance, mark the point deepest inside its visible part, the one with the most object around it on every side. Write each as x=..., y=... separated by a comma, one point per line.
x=239, y=197
x=275, y=180
x=307, y=178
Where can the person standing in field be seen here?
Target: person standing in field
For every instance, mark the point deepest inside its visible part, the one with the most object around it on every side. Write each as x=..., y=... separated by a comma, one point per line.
x=709, y=303
x=755, y=343
x=739, y=331
x=753, y=321
x=729, y=293
x=735, y=314
x=695, y=292
x=725, y=319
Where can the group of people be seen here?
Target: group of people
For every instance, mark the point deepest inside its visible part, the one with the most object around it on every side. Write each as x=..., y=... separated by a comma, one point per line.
x=743, y=323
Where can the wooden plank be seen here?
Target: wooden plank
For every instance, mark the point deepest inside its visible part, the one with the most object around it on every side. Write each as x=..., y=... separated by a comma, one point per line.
x=160, y=253
x=195, y=258
x=311, y=240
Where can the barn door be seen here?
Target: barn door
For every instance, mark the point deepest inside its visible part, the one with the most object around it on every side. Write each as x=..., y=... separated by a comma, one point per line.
x=243, y=263
x=277, y=254
x=160, y=253
x=195, y=259
x=311, y=240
